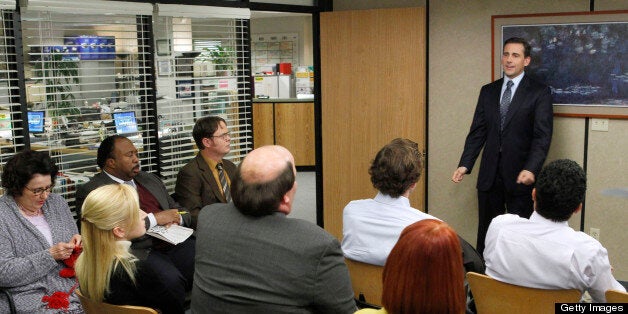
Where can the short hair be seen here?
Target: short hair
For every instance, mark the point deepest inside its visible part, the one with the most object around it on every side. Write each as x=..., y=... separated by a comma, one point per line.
x=205, y=127
x=396, y=167
x=560, y=189
x=107, y=207
x=424, y=271
x=527, y=49
x=105, y=150
x=261, y=198
x=20, y=168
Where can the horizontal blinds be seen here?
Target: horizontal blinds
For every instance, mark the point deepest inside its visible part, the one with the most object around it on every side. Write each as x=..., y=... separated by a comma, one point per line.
x=202, y=12
x=11, y=138
x=201, y=72
x=87, y=74
x=7, y=4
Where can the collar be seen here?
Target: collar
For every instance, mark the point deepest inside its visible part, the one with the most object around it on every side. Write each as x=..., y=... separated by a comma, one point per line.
x=114, y=178
x=210, y=162
x=515, y=81
x=536, y=217
x=387, y=199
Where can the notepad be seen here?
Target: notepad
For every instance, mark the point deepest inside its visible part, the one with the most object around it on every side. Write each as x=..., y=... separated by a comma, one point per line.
x=174, y=234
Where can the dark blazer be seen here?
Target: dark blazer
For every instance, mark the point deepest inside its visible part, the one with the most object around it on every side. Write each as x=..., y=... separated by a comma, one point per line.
x=523, y=143
x=268, y=264
x=148, y=180
x=196, y=186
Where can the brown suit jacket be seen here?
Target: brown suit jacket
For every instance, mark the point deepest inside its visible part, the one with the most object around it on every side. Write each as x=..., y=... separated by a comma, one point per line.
x=196, y=186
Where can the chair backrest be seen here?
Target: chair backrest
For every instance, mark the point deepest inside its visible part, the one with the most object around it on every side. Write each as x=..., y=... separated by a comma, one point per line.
x=492, y=296
x=92, y=307
x=366, y=279
x=616, y=296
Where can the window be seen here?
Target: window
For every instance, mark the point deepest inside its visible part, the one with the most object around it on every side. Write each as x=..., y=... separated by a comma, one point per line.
x=84, y=62
x=206, y=72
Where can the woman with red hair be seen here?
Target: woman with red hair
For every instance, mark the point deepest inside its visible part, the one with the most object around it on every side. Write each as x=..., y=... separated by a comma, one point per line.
x=424, y=272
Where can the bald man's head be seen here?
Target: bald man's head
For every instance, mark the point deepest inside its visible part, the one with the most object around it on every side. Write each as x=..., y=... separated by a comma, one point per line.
x=265, y=182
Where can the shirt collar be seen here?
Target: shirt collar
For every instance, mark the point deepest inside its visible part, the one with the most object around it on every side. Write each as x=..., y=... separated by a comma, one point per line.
x=114, y=178
x=536, y=217
x=387, y=199
x=515, y=81
x=210, y=162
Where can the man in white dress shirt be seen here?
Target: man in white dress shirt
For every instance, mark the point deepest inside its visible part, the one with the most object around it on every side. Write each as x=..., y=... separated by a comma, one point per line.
x=543, y=251
x=371, y=227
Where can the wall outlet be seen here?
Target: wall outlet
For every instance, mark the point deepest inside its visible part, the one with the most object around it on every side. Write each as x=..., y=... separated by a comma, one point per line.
x=599, y=125
x=595, y=233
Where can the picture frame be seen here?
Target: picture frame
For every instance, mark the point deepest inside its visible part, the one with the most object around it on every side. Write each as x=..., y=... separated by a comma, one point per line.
x=162, y=47
x=578, y=54
x=164, y=68
x=185, y=89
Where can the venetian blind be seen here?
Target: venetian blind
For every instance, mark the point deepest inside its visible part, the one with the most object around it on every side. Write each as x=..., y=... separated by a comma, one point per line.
x=203, y=69
x=89, y=68
x=11, y=138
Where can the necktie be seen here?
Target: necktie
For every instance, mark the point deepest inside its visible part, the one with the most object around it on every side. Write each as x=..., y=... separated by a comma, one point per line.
x=503, y=105
x=223, y=182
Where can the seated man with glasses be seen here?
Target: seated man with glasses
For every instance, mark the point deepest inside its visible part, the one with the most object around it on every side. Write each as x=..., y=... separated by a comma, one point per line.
x=206, y=179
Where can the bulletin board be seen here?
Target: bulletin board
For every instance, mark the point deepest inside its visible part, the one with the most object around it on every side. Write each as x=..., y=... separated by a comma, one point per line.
x=270, y=49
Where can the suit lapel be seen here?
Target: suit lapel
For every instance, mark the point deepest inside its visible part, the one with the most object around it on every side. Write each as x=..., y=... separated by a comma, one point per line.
x=208, y=176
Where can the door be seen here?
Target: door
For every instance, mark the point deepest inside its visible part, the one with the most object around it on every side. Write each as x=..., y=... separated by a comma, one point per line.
x=372, y=91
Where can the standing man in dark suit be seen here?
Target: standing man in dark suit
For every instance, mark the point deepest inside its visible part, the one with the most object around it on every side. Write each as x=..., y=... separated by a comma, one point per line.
x=117, y=157
x=252, y=258
x=513, y=122
x=200, y=181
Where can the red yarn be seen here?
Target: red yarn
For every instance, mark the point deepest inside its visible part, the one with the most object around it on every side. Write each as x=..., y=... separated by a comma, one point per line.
x=61, y=299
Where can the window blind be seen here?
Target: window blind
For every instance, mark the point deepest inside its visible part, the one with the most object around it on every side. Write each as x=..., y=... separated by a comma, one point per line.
x=203, y=69
x=11, y=138
x=89, y=68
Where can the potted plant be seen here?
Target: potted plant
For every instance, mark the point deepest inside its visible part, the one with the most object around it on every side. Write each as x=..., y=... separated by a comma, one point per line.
x=223, y=59
x=59, y=76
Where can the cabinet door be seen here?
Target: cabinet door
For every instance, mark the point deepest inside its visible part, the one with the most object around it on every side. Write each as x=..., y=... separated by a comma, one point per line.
x=263, y=125
x=294, y=129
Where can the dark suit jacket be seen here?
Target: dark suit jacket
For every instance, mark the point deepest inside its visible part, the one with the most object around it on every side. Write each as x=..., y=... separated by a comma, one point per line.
x=148, y=180
x=524, y=142
x=196, y=186
x=268, y=264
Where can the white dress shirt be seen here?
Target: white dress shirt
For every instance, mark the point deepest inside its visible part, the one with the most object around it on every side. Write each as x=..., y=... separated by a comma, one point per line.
x=541, y=253
x=371, y=227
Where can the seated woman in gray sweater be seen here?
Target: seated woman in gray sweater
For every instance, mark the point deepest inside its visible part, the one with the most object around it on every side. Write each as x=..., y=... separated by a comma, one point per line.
x=38, y=233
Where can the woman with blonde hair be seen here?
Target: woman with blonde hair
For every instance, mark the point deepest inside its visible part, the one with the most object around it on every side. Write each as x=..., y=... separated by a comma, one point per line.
x=424, y=272
x=106, y=270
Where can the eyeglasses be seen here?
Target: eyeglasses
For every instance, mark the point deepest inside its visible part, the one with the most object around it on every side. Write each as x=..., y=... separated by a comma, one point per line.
x=40, y=191
x=223, y=136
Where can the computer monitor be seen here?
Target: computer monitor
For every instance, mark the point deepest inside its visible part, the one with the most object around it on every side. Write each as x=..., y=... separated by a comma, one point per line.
x=36, y=121
x=125, y=122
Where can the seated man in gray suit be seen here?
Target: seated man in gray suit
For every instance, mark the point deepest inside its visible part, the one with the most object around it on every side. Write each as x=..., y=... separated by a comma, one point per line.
x=251, y=258
x=117, y=157
x=205, y=179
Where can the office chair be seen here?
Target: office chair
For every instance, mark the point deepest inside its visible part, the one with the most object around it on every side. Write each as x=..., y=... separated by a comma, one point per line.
x=616, y=296
x=366, y=280
x=92, y=307
x=492, y=296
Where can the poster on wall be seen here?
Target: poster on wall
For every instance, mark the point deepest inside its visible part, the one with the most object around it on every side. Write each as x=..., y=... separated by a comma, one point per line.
x=581, y=56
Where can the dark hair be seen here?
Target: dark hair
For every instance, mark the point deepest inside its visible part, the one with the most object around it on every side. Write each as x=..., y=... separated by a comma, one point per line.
x=261, y=198
x=518, y=40
x=205, y=127
x=19, y=170
x=424, y=271
x=105, y=150
x=560, y=189
x=396, y=167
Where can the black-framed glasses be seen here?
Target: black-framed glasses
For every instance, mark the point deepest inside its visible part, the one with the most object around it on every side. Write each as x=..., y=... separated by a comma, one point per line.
x=223, y=136
x=40, y=191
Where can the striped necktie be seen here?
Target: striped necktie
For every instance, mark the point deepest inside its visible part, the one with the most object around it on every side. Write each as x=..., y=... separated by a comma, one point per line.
x=505, y=103
x=223, y=182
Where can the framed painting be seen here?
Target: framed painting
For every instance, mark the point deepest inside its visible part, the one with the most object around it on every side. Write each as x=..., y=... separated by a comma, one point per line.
x=580, y=55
